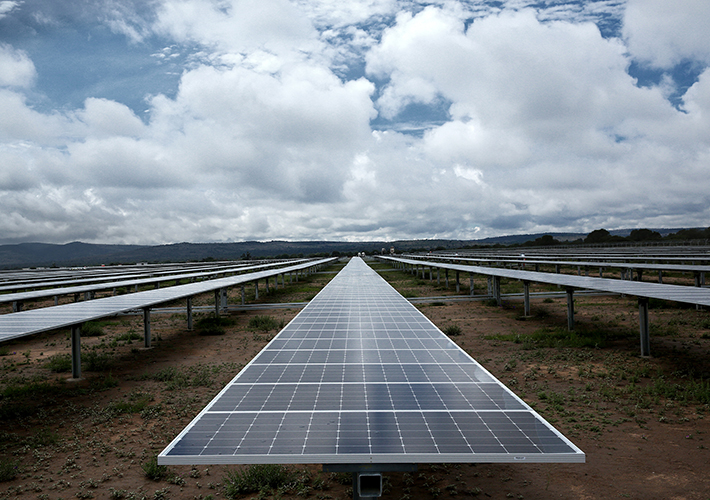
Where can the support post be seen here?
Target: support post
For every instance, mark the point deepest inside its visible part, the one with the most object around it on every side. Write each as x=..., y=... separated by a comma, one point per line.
x=570, y=309
x=76, y=351
x=146, y=326
x=243, y=297
x=526, y=298
x=458, y=283
x=189, y=313
x=256, y=289
x=644, y=327
x=470, y=277
x=446, y=273
x=217, y=299
x=496, y=290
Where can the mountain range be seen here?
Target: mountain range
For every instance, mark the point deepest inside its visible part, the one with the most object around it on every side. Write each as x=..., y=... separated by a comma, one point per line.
x=86, y=254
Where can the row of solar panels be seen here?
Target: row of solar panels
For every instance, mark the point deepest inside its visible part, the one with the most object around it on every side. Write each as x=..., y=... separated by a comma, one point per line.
x=676, y=293
x=523, y=262
x=633, y=254
x=23, y=323
x=360, y=376
x=643, y=290
x=135, y=283
x=45, y=278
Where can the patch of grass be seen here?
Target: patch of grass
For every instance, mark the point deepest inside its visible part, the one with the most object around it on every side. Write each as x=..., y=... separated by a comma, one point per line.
x=91, y=361
x=452, y=330
x=97, y=362
x=193, y=376
x=561, y=338
x=265, y=323
x=213, y=325
x=256, y=478
x=128, y=337
x=154, y=471
x=92, y=329
x=59, y=363
x=137, y=402
x=8, y=470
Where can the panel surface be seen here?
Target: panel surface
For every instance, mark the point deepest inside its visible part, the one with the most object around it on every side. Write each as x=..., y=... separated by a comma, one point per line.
x=361, y=376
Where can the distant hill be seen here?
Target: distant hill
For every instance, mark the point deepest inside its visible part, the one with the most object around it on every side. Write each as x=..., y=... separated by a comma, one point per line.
x=86, y=254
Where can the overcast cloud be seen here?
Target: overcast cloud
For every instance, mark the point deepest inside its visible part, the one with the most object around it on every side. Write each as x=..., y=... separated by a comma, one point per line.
x=125, y=121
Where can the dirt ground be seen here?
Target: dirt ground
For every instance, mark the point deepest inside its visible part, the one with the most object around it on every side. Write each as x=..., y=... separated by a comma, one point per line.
x=642, y=422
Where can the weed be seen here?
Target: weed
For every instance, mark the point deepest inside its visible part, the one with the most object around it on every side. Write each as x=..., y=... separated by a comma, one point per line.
x=59, y=363
x=128, y=337
x=213, y=325
x=153, y=470
x=265, y=323
x=256, y=478
x=8, y=470
x=92, y=329
x=97, y=362
x=452, y=330
x=137, y=403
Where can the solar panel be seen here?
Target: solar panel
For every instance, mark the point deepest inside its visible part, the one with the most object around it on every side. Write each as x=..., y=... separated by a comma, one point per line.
x=361, y=376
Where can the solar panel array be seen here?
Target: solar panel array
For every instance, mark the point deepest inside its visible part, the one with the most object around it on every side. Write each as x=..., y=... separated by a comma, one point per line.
x=33, y=321
x=361, y=376
x=676, y=293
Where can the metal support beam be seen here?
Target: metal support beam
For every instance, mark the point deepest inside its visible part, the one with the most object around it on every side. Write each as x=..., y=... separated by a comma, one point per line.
x=570, y=309
x=644, y=328
x=496, y=290
x=458, y=283
x=256, y=289
x=76, y=351
x=243, y=295
x=470, y=277
x=189, y=313
x=146, y=326
x=526, y=298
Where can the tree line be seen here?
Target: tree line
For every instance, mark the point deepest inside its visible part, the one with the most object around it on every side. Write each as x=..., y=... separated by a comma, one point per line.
x=602, y=236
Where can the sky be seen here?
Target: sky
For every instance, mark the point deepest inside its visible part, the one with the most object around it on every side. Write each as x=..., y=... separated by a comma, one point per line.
x=163, y=121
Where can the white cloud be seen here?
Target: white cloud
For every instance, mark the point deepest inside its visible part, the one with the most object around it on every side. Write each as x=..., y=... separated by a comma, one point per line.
x=238, y=26
x=7, y=6
x=16, y=69
x=263, y=140
x=109, y=118
x=664, y=33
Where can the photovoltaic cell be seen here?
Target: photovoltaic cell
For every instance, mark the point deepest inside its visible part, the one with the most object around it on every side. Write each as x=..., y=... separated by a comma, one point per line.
x=361, y=376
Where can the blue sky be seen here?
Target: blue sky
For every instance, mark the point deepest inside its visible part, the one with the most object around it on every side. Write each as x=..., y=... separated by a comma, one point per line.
x=150, y=122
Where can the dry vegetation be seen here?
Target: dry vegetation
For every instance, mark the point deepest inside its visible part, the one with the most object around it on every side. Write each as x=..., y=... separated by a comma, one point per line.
x=641, y=422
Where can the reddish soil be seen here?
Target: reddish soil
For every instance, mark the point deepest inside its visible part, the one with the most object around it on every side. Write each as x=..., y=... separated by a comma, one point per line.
x=640, y=421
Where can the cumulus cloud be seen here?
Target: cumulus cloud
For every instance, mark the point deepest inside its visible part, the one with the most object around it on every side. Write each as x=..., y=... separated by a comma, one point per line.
x=16, y=69
x=540, y=127
x=664, y=33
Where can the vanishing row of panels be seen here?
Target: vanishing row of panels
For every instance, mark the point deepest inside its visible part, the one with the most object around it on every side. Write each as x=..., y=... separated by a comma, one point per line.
x=676, y=293
x=361, y=376
x=23, y=323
